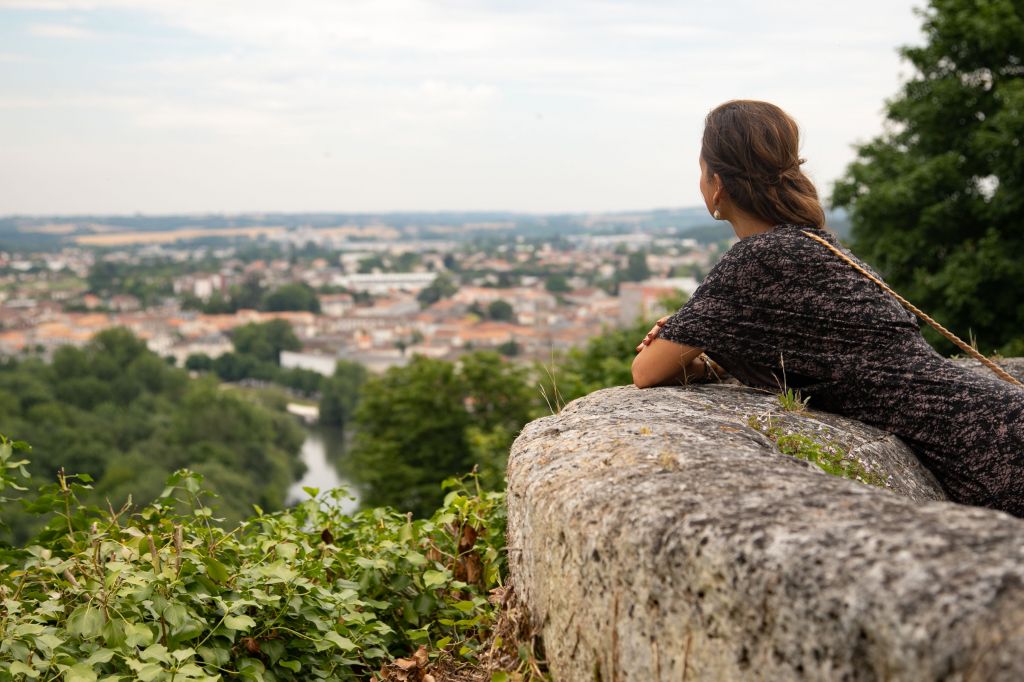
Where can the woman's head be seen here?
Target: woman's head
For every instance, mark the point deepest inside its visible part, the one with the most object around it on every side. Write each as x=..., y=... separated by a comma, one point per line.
x=753, y=148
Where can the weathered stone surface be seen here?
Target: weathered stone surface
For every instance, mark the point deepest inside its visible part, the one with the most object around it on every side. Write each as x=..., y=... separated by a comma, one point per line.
x=654, y=535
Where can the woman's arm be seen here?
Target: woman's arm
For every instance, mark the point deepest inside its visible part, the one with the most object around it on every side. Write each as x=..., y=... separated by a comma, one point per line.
x=664, y=362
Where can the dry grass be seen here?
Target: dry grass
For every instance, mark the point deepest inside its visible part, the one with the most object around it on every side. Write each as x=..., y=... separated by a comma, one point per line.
x=512, y=653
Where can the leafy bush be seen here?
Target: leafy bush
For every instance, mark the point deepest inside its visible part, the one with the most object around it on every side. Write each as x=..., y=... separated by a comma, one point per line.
x=308, y=593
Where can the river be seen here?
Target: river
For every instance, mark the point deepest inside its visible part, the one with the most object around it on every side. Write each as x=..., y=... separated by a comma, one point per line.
x=321, y=449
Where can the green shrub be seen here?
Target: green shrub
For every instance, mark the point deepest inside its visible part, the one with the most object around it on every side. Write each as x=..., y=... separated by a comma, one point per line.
x=307, y=593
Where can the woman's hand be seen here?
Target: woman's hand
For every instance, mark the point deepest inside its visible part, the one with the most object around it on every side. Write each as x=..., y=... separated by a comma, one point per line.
x=653, y=334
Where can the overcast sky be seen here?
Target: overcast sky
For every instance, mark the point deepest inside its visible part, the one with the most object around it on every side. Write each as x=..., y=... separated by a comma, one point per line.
x=159, y=106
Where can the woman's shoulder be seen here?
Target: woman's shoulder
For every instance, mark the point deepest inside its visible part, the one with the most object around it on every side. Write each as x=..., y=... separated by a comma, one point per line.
x=784, y=244
x=787, y=233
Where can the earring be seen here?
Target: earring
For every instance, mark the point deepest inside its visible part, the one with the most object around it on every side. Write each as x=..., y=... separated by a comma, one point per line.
x=716, y=215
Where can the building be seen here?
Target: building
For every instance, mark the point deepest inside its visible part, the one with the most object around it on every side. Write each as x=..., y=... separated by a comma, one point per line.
x=642, y=300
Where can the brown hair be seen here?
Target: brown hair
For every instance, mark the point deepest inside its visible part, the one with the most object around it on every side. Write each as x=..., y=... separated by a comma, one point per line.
x=754, y=148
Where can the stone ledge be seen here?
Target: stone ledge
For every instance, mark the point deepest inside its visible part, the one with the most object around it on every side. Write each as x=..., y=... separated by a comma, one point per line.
x=654, y=535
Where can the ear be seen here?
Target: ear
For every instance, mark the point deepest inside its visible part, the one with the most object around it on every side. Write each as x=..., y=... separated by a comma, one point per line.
x=716, y=182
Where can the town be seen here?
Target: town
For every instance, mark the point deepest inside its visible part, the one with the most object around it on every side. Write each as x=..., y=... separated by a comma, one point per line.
x=374, y=293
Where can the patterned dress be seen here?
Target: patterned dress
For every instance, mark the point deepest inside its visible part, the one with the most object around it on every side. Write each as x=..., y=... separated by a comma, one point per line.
x=781, y=308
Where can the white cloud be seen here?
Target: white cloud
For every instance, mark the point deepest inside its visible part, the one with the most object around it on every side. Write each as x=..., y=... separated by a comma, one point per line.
x=554, y=104
x=62, y=31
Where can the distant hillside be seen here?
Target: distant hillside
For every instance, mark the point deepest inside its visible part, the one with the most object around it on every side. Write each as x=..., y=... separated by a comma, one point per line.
x=40, y=233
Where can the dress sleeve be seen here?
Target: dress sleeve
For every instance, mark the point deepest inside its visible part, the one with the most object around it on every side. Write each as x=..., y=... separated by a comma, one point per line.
x=696, y=323
x=690, y=325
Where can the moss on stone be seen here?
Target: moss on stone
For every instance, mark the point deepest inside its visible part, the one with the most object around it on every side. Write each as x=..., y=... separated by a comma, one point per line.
x=828, y=455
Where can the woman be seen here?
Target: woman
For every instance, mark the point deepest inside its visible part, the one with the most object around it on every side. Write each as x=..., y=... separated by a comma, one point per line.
x=781, y=309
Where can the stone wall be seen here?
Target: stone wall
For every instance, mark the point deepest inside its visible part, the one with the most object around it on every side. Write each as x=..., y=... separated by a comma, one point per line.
x=656, y=535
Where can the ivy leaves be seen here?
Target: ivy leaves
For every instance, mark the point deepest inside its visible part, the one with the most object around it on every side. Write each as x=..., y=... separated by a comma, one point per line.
x=308, y=593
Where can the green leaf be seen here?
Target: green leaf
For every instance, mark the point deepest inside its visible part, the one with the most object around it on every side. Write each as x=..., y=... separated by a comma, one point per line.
x=499, y=677
x=216, y=570
x=435, y=578
x=113, y=633
x=155, y=652
x=100, y=656
x=241, y=622
x=175, y=614
x=19, y=668
x=287, y=550
x=464, y=606
x=343, y=643
x=86, y=622
x=136, y=634
x=294, y=666
x=81, y=672
x=48, y=643
x=149, y=672
x=215, y=655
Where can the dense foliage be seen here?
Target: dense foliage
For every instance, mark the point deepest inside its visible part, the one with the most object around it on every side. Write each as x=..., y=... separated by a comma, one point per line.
x=257, y=355
x=418, y=424
x=265, y=340
x=292, y=296
x=443, y=286
x=119, y=413
x=937, y=201
x=339, y=394
x=164, y=594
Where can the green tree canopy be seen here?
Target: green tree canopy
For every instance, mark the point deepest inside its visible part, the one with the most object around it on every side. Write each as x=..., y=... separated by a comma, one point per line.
x=292, y=296
x=937, y=201
x=265, y=340
x=410, y=434
x=636, y=268
x=117, y=412
x=419, y=424
x=500, y=310
x=340, y=394
x=557, y=283
x=443, y=286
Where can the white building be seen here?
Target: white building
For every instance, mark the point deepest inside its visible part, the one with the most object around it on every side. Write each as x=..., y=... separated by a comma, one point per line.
x=385, y=282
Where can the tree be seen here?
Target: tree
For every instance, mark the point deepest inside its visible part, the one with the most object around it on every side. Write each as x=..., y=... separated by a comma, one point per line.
x=500, y=399
x=265, y=340
x=199, y=362
x=510, y=348
x=636, y=268
x=247, y=296
x=339, y=394
x=410, y=435
x=419, y=424
x=501, y=310
x=557, y=283
x=292, y=296
x=116, y=411
x=937, y=201
x=443, y=286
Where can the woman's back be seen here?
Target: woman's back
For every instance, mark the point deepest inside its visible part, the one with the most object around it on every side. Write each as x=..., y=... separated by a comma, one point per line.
x=781, y=309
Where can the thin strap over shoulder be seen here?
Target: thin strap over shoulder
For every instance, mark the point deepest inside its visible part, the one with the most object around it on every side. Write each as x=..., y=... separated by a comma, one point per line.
x=999, y=371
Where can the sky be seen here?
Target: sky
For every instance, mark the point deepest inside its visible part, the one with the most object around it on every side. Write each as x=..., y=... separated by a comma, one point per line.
x=193, y=106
